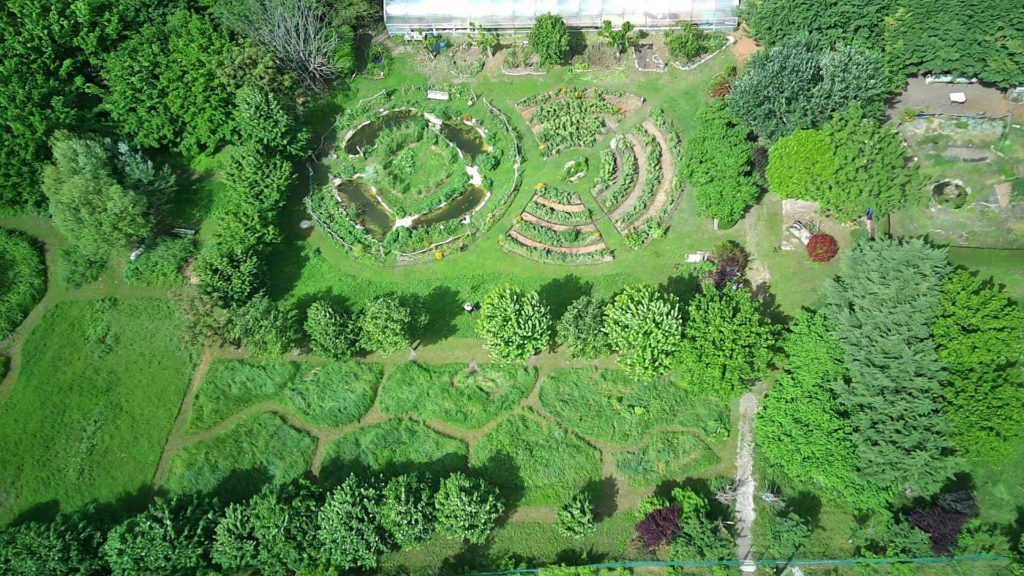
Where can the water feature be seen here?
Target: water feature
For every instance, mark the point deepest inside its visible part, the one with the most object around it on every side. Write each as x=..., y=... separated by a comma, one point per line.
x=466, y=138
x=366, y=135
x=362, y=204
x=457, y=208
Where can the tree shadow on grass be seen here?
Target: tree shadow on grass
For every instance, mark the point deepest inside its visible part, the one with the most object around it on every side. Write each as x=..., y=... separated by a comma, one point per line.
x=605, y=494
x=438, y=310
x=559, y=293
x=502, y=472
x=683, y=286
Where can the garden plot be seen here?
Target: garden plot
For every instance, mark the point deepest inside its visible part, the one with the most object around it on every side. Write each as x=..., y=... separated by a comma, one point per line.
x=574, y=117
x=556, y=226
x=638, y=184
x=665, y=455
x=973, y=182
x=411, y=173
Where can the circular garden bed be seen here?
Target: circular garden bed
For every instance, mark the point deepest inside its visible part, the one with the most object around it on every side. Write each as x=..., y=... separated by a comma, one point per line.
x=950, y=194
x=415, y=176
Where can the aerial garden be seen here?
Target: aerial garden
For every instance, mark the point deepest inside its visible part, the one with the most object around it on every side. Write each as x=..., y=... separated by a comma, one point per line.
x=484, y=302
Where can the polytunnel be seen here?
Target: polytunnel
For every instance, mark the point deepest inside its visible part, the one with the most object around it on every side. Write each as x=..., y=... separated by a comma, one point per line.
x=455, y=16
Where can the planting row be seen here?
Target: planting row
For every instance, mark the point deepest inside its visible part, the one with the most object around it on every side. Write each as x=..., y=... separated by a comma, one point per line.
x=557, y=226
x=574, y=117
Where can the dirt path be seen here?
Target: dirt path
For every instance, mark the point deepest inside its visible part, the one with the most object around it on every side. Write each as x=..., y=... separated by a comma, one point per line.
x=556, y=206
x=560, y=249
x=745, y=483
x=743, y=47
x=183, y=412
x=557, y=227
x=638, y=188
x=668, y=173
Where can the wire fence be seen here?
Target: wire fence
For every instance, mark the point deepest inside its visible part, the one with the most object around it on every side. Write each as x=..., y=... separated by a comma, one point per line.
x=762, y=563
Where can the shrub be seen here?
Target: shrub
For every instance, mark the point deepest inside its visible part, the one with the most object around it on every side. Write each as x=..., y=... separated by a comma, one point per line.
x=580, y=329
x=332, y=333
x=22, y=279
x=79, y=265
x=686, y=44
x=659, y=527
x=646, y=327
x=576, y=517
x=466, y=508
x=265, y=327
x=549, y=39
x=170, y=537
x=385, y=325
x=822, y=248
x=161, y=263
x=515, y=324
x=406, y=509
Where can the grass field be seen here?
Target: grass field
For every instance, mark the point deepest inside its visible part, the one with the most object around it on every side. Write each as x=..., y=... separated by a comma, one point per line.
x=452, y=394
x=262, y=449
x=332, y=394
x=98, y=389
x=534, y=461
x=613, y=407
x=663, y=457
x=393, y=447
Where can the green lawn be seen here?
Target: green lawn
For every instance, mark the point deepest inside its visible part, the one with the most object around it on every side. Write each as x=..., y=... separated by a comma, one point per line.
x=88, y=417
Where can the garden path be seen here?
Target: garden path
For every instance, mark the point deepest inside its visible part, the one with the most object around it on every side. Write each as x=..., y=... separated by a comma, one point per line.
x=183, y=413
x=745, y=484
x=638, y=188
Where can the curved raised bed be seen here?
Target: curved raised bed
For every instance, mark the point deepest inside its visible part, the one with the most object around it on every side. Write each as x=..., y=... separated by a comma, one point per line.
x=640, y=152
x=668, y=172
x=585, y=249
x=556, y=206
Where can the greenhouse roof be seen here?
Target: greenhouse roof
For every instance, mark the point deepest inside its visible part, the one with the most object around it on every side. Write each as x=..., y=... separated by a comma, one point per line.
x=455, y=15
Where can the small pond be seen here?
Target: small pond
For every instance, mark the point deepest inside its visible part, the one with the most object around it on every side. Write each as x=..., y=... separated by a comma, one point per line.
x=363, y=206
x=457, y=208
x=366, y=135
x=950, y=194
x=466, y=138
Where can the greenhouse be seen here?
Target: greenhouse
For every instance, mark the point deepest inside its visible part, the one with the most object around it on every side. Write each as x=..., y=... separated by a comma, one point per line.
x=454, y=16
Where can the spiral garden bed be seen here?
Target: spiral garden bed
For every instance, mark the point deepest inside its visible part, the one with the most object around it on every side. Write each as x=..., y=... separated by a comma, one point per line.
x=412, y=174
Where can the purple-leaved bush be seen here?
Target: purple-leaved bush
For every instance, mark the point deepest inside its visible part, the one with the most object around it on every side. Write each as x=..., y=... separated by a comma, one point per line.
x=661, y=526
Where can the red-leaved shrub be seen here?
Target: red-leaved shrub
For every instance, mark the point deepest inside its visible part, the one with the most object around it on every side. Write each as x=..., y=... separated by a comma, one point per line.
x=661, y=526
x=822, y=248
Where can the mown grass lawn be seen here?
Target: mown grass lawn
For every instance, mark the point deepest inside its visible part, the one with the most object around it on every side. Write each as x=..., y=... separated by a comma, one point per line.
x=87, y=423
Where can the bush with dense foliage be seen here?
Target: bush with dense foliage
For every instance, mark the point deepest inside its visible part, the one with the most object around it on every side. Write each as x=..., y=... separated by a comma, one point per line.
x=549, y=39
x=161, y=263
x=621, y=39
x=828, y=23
x=406, y=509
x=645, y=326
x=978, y=333
x=581, y=328
x=881, y=309
x=466, y=508
x=822, y=248
x=265, y=327
x=849, y=166
x=515, y=324
x=728, y=339
x=333, y=333
x=659, y=527
x=575, y=518
x=170, y=537
x=796, y=86
x=22, y=279
x=348, y=531
x=686, y=43
x=717, y=162
x=385, y=325
x=699, y=537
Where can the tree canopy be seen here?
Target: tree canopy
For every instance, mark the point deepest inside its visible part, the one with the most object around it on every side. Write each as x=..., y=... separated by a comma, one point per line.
x=849, y=166
x=796, y=86
x=717, y=162
x=549, y=39
x=645, y=326
x=881, y=309
x=515, y=323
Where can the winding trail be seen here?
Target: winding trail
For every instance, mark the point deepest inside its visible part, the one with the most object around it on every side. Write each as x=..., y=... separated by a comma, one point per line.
x=745, y=483
x=638, y=187
x=182, y=418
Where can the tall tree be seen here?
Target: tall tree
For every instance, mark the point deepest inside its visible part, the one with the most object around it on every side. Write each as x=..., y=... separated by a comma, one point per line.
x=267, y=328
x=849, y=166
x=515, y=323
x=980, y=336
x=305, y=36
x=645, y=326
x=466, y=508
x=801, y=427
x=63, y=547
x=385, y=325
x=170, y=537
x=796, y=86
x=881, y=310
x=581, y=328
x=728, y=340
x=717, y=162
x=349, y=532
